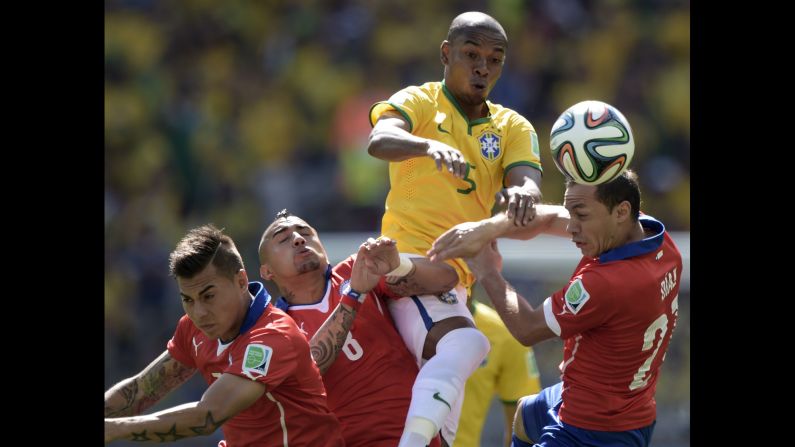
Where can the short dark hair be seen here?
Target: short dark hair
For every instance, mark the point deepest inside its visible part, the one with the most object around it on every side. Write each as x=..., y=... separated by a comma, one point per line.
x=202, y=246
x=474, y=21
x=283, y=214
x=624, y=187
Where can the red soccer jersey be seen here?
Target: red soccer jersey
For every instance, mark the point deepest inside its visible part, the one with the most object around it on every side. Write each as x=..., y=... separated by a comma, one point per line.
x=369, y=384
x=271, y=350
x=616, y=316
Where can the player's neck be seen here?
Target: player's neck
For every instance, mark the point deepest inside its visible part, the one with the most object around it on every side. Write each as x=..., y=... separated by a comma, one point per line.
x=474, y=112
x=636, y=234
x=305, y=289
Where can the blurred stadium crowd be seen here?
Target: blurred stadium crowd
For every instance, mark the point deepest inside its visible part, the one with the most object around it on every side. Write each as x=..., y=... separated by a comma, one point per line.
x=227, y=112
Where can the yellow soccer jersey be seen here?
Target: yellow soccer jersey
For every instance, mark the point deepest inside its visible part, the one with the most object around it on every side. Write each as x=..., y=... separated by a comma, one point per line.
x=509, y=370
x=423, y=202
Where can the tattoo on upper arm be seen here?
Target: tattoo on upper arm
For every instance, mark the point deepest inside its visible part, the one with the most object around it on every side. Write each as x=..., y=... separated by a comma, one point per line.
x=329, y=339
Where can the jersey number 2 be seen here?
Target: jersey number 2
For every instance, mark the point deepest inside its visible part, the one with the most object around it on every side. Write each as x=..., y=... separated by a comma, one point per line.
x=649, y=339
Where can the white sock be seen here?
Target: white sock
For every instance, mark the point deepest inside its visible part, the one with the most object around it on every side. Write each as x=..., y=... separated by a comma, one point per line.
x=440, y=383
x=418, y=433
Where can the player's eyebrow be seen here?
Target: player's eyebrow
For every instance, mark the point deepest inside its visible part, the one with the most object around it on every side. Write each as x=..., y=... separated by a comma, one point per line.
x=496, y=48
x=204, y=290
x=574, y=207
x=281, y=228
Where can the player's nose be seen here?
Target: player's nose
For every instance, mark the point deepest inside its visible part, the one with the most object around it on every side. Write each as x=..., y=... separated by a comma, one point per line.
x=298, y=240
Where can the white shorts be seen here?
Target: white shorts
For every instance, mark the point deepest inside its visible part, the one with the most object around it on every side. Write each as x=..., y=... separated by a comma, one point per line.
x=414, y=316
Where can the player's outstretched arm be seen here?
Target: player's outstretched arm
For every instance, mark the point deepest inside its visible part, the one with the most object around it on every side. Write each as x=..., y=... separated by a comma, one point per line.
x=134, y=395
x=327, y=342
x=391, y=140
x=226, y=397
x=406, y=276
x=526, y=324
x=468, y=238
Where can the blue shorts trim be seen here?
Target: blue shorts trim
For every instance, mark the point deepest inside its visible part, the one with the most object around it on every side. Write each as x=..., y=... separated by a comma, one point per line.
x=544, y=427
x=423, y=313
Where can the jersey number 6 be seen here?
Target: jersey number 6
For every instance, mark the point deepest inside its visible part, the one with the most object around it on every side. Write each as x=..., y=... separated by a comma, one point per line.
x=352, y=349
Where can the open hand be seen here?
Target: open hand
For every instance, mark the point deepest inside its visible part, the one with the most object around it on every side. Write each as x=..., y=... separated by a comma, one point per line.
x=520, y=204
x=451, y=157
x=463, y=240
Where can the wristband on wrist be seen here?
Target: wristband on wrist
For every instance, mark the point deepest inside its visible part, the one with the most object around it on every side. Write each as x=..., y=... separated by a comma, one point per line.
x=351, y=297
x=404, y=268
x=351, y=302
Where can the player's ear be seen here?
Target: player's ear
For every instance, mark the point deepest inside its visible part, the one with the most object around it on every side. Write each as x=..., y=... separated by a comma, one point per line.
x=444, y=52
x=242, y=279
x=623, y=211
x=265, y=272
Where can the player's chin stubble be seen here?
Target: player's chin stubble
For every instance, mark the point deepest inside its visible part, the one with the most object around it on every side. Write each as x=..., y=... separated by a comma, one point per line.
x=309, y=266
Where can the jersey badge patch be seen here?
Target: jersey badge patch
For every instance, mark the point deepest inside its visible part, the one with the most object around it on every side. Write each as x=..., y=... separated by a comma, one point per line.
x=489, y=146
x=534, y=145
x=256, y=360
x=448, y=297
x=576, y=296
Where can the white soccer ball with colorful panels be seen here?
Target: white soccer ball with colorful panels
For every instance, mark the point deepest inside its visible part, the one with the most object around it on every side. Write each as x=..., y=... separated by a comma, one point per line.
x=592, y=143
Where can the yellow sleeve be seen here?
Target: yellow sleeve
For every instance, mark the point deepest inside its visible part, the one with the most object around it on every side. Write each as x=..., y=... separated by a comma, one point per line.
x=521, y=146
x=411, y=102
x=518, y=372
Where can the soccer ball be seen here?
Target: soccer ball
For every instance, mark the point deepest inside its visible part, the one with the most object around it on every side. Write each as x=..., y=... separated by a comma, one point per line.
x=592, y=143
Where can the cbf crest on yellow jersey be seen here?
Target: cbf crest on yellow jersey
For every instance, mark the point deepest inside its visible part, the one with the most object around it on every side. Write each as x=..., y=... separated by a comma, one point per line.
x=423, y=202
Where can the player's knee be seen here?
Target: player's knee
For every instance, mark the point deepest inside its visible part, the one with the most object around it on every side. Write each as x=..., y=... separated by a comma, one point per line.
x=518, y=422
x=466, y=339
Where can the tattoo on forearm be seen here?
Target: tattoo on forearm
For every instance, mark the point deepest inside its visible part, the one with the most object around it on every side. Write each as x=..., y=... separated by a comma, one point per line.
x=210, y=425
x=128, y=393
x=329, y=339
x=146, y=389
x=170, y=435
x=408, y=285
x=141, y=436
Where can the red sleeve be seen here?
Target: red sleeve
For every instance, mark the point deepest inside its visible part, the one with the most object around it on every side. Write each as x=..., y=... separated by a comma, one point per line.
x=179, y=345
x=268, y=357
x=583, y=304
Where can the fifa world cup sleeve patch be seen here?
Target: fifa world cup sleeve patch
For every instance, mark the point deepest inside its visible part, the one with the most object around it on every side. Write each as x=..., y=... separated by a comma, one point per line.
x=256, y=360
x=576, y=296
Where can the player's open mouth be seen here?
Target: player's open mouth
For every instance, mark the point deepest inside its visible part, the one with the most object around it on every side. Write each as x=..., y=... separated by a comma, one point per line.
x=479, y=86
